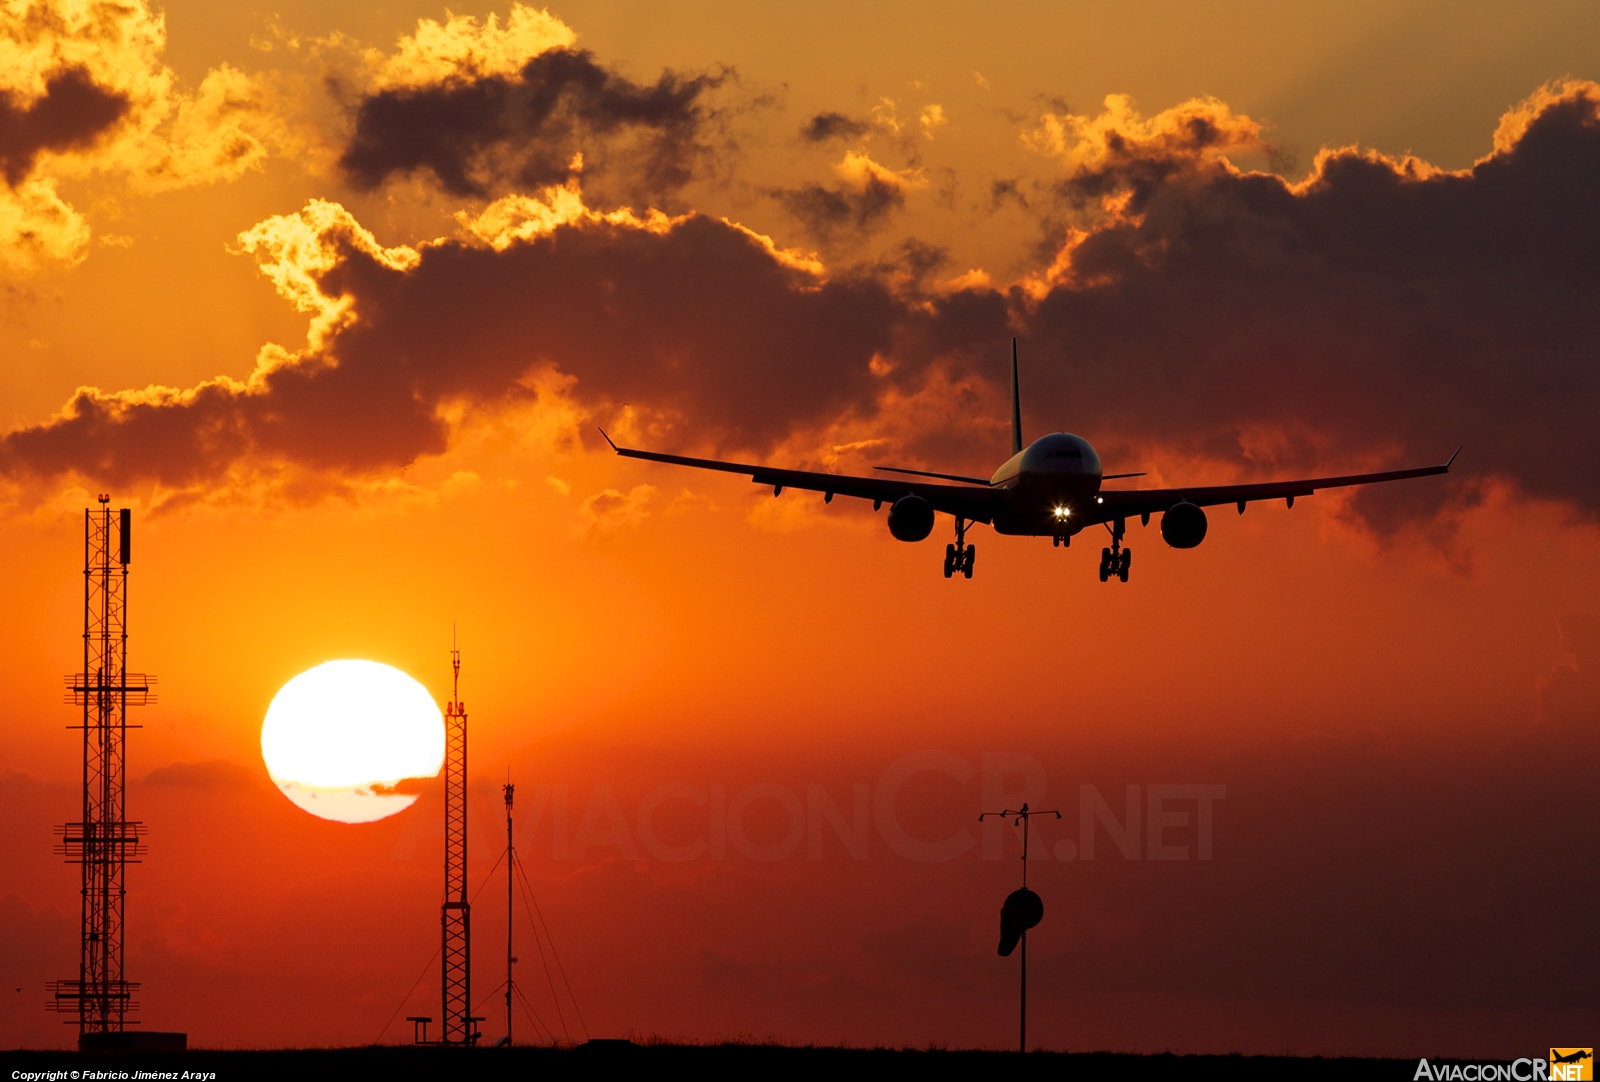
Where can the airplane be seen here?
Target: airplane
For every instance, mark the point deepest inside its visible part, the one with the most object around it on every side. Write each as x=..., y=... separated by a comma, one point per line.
x=1048, y=488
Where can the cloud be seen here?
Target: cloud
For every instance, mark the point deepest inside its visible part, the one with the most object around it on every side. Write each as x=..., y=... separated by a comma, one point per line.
x=868, y=195
x=1119, y=150
x=515, y=219
x=230, y=125
x=72, y=113
x=83, y=90
x=825, y=126
x=298, y=251
x=462, y=50
x=1005, y=190
x=482, y=118
x=1380, y=311
x=610, y=511
x=37, y=226
x=211, y=774
x=702, y=323
x=1208, y=319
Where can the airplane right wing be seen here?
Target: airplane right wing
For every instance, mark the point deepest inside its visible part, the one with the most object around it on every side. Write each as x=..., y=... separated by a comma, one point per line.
x=1125, y=503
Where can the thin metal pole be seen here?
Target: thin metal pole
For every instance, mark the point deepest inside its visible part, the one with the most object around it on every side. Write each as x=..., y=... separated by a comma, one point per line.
x=1023, y=1042
x=1025, y=818
x=511, y=856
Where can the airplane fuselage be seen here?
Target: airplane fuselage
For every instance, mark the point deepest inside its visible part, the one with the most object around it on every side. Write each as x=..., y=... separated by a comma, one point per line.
x=1047, y=484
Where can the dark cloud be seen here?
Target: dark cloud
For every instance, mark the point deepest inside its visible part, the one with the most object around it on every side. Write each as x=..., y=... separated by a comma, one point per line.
x=1006, y=190
x=74, y=112
x=859, y=208
x=211, y=774
x=825, y=126
x=1379, y=313
x=490, y=133
x=702, y=320
x=1138, y=164
x=912, y=262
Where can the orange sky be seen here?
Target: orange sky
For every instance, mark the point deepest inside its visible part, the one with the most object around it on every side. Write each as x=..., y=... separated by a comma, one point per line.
x=345, y=426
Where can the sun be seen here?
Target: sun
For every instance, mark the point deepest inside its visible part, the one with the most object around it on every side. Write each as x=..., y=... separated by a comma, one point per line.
x=338, y=738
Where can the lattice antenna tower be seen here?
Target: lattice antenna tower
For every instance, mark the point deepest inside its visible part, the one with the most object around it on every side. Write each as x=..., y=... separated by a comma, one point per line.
x=455, y=916
x=103, y=842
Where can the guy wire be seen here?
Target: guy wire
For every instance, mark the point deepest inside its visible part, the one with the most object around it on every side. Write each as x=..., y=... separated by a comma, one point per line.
x=561, y=968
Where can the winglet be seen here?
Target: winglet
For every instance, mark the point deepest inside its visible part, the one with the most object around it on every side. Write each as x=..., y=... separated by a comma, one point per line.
x=606, y=437
x=1016, y=403
x=1453, y=457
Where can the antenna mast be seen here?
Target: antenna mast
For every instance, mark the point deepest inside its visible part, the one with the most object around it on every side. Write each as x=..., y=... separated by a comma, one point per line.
x=511, y=857
x=455, y=915
x=103, y=842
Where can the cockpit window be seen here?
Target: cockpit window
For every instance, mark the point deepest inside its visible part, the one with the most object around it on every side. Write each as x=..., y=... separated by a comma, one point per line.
x=1070, y=452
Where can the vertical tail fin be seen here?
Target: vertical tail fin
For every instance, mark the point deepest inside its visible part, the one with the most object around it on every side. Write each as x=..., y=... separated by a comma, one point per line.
x=1016, y=403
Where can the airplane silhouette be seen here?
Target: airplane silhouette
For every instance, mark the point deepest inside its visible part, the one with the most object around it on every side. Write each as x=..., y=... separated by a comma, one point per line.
x=1050, y=488
x=1577, y=1055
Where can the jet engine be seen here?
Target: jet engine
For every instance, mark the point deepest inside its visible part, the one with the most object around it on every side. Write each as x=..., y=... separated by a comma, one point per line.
x=910, y=518
x=1183, y=526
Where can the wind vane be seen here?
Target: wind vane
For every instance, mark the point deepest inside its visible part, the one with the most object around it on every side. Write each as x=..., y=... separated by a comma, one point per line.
x=1023, y=909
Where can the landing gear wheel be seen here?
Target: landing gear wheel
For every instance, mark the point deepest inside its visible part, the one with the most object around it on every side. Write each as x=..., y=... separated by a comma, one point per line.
x=1124, y=563
x=1105, y=564
x=959, y=556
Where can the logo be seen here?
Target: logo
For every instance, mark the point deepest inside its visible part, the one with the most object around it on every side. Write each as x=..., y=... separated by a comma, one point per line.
x=1564, y=1065
x=1572, y=1064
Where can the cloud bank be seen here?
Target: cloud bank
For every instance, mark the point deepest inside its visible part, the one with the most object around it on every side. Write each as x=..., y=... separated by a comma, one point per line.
x=1380, y=308
x=1377, y=311
x=698, y=319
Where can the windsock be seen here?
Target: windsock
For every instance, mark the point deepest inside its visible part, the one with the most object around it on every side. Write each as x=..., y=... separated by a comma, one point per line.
x=1023, y=910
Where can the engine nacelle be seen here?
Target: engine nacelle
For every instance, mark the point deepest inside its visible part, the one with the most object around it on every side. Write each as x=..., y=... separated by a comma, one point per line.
x=1183, y=526
x=910, y=518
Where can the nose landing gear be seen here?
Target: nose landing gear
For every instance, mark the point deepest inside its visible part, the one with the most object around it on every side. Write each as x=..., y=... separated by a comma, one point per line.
x=1115, y=560
x=960, y=556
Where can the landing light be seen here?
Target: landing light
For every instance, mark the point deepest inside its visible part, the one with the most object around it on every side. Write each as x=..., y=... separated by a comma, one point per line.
x=1099, y=499
x=1063, y=512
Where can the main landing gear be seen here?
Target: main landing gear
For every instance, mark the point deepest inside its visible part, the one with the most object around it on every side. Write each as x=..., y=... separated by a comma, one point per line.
x=1115, y=560
x=959, y=556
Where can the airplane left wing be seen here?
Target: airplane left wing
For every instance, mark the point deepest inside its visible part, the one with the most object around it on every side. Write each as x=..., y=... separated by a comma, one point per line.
x=969, y=501
x=1125, y=503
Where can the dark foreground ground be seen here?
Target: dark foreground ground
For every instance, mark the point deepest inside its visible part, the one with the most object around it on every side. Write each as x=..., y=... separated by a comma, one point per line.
x=663, y=1060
